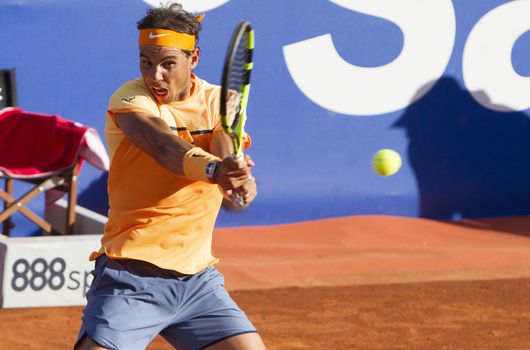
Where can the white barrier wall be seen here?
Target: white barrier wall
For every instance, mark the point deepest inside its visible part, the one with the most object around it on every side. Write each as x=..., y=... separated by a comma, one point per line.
x=52, y=270
x=46, y=271
x=86, y=220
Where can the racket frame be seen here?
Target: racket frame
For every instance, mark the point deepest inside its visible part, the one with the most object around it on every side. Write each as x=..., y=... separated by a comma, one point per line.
x=236, y=129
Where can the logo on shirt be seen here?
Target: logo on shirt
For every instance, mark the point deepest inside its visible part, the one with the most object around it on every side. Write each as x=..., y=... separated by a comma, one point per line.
x=128, y=99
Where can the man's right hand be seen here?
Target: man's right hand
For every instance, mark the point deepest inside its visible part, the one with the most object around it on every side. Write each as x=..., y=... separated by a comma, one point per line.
x=242, y=183
x=232, y=173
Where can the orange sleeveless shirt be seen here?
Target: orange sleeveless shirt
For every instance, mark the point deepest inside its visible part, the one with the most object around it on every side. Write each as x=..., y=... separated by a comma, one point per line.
x=155, y=215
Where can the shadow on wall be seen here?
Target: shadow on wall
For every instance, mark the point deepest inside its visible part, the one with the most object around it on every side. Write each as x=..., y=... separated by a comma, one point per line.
x=469, y=161
x=95, y=196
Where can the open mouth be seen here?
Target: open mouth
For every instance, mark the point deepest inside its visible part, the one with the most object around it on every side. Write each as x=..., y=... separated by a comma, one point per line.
x=161, y=92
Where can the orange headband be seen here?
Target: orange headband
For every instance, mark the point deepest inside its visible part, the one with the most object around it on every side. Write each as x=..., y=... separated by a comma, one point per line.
x=163, y=37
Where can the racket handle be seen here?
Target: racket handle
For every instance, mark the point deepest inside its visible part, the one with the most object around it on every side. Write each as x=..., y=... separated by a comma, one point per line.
x=238, y=200
x=236, y=197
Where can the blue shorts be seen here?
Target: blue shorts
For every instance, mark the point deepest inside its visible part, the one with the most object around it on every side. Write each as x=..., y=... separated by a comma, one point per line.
x=131, y=301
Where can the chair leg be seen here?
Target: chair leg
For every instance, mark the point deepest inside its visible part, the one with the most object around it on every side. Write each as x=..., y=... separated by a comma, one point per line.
x=72, y=201
x=8, y=199
x=7, y=224
x=16, y=205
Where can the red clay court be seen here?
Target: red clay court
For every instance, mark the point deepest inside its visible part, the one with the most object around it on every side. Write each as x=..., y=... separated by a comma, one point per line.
x=361, y=282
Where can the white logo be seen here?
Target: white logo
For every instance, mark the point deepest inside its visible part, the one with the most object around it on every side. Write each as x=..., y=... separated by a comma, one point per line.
x=152, y=36
x=192, y=5
x=487, y=60
x=428, y=28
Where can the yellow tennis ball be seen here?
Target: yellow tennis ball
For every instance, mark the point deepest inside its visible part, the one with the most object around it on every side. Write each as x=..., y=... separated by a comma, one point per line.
x=386, y=162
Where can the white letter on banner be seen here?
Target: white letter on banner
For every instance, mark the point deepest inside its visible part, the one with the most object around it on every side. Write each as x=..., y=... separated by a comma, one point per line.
x=331, y=82
x=192, y=5
x=487, y=61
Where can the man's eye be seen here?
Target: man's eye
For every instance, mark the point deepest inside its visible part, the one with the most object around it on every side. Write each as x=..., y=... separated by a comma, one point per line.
x=169, y=64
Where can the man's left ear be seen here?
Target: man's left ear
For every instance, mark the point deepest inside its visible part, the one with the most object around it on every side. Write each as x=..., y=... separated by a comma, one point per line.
x=194, y=58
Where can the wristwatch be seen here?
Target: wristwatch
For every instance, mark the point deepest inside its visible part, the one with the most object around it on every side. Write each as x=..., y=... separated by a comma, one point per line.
x=211, y=170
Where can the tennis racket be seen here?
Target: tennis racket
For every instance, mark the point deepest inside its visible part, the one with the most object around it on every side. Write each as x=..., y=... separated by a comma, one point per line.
x=235, y=88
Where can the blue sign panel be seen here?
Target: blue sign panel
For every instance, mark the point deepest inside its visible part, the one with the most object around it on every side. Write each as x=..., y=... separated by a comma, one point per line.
x=444, y=83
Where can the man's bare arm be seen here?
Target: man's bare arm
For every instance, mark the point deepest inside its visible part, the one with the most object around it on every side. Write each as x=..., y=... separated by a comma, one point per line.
x=221, y=144
x=153, y=136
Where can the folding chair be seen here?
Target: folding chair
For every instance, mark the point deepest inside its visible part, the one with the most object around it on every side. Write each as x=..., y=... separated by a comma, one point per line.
x=65, y=181
x=46, y=151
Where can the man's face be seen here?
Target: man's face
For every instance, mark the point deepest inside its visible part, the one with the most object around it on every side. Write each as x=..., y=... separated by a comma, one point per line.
x=166, y=72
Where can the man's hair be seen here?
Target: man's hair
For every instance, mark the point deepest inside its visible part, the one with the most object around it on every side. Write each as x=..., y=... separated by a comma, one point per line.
x=171, y=17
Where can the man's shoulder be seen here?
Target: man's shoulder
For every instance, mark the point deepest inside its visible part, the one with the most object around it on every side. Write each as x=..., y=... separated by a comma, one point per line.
x=133, y=86
x=206, y=87
x=132, y=96
x=131, y=90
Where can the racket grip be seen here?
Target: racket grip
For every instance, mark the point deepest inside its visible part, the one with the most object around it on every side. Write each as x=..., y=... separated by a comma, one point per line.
x=238, y=200
x=236, y=197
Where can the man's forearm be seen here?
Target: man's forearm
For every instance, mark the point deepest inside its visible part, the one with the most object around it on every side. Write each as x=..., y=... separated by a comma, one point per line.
x=153, y=136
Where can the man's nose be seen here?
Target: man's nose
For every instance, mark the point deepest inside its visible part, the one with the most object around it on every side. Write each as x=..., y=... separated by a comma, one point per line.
x=157, y=73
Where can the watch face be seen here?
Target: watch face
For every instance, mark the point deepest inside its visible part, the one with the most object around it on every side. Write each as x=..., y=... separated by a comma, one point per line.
x=211, y=167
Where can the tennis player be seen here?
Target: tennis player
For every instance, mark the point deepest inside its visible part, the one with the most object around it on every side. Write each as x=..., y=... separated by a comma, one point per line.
x=155, y=272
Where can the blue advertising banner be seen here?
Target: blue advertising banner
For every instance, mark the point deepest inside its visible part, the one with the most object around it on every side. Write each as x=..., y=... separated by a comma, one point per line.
x=444, y=83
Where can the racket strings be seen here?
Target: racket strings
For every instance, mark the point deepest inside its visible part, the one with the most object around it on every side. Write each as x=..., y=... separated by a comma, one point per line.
x=239, y=72
x=233, y=107
x=237, y=80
